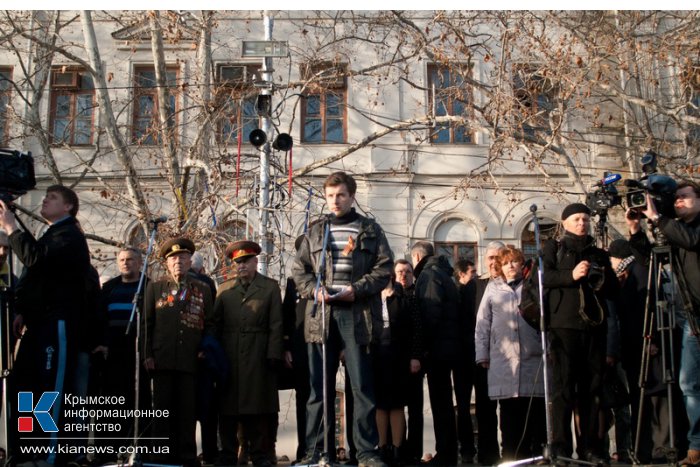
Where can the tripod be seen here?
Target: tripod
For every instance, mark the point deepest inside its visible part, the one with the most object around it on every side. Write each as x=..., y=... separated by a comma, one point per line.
x=662, y=286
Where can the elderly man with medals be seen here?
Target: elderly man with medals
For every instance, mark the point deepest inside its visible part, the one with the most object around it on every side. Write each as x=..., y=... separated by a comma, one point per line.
x=176, y=309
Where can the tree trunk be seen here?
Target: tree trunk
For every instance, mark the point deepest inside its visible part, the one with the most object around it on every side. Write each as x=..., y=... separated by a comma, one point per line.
x=116, y=140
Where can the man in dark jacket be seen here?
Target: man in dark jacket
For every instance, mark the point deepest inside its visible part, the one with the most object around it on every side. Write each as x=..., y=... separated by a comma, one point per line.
x=463, y=376
x=116, y=375
x=683, y=234
x=357, y=265
x=176, y=310
x=438, y=302
x=296, y=357
x=578, y=280
x=414, y=438
x=50, y=297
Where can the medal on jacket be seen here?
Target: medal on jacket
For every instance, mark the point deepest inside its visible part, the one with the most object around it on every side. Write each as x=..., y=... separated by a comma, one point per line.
x=171, y=297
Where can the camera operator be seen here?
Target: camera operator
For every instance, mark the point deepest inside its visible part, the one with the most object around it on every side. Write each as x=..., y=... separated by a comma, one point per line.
x=683, y=234
x=50, y=297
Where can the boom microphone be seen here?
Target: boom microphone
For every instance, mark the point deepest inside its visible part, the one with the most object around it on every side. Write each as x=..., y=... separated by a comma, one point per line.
x=160, y=220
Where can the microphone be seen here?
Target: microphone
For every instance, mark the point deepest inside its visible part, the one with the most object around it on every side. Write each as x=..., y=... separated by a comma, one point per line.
x=159, y=220
x=533, y=208
x=609, y=180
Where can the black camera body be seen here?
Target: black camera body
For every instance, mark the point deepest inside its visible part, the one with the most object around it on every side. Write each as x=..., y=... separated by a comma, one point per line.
x=596, y=275
x=661, y=188
x=605, y=195
x=16, y=174
x=603, y=199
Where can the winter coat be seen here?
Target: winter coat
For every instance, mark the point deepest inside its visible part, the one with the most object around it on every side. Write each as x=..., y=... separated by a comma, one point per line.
x=512, y=347
x=685, y=238
x=438, y=302
x=567, y=298
x=248, y=324
x=54, y=281
x=372, y=265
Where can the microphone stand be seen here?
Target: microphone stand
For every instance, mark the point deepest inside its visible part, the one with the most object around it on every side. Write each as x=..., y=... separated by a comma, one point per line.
x=134, y=457
x=547, y=453
x=6, y=358
x=320, y=285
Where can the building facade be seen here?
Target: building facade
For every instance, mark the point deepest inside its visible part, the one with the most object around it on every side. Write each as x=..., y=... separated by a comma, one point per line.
x=454, y=124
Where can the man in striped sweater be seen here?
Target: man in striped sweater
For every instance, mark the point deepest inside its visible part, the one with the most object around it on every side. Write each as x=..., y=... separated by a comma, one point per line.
x=356, y=265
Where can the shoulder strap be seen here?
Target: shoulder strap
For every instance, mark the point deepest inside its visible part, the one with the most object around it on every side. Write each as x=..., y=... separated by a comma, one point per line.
x=561, y=251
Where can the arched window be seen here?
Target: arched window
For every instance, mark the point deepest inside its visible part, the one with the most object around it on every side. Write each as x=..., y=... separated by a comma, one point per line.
x=548, y=229
x=456, y=239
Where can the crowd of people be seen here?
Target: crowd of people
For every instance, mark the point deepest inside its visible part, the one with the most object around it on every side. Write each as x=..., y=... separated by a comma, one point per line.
x=218, y=354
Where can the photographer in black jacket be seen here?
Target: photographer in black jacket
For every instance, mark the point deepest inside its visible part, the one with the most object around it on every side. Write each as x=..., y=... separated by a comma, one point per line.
x=577, y=279
x=50, y=297
x=683, y=234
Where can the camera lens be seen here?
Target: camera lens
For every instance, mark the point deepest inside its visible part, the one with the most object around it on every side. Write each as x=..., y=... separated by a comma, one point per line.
x=636, y=199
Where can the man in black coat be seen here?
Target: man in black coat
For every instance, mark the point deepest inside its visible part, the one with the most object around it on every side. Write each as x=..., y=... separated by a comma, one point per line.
x=683, y=234
x=295, y=355
x=438, y=302
x=50, y=298
x=463, y=376
x=578, y=280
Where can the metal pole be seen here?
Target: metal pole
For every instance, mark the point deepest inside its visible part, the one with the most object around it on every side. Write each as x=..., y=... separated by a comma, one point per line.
x=264, y=204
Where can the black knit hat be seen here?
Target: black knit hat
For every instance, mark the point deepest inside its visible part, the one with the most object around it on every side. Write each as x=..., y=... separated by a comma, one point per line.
x=620, y=248
x=575, y=208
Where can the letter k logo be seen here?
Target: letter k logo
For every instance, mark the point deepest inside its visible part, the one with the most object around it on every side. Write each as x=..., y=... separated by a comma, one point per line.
x=25, y=403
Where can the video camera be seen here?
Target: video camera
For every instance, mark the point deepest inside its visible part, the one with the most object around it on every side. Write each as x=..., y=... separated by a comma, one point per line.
x=661, y=188
x=605, y=195
x=16, y=174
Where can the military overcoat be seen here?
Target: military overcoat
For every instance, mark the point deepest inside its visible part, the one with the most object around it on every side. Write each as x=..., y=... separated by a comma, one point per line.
x=248, y=323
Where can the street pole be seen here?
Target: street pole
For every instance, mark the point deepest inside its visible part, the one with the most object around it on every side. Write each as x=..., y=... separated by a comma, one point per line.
x=264, y=204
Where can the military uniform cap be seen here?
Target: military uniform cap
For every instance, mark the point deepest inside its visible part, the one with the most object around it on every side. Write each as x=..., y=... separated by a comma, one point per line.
x=177, y=245
x=242, y=249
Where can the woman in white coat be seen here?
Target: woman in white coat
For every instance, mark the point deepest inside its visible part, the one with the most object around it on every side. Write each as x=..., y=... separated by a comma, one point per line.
x=512, y=352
